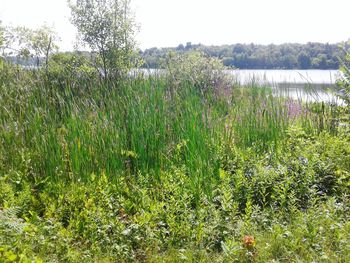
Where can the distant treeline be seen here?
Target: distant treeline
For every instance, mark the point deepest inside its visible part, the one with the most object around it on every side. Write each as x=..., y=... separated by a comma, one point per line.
x=242, y=56
x=252, y=56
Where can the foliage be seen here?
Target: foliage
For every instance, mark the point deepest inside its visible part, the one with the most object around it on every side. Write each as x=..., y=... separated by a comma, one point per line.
x=344, y=81
x=276, y=202
x=42, y=42
x=2, y=40
x=253, y=56
x=198, y=70
x=107, y=27
x=70, y=67
x=93, y=173
x=25, y=43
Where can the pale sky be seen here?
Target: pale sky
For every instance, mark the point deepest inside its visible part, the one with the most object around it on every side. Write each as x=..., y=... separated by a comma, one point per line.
x=165, y=23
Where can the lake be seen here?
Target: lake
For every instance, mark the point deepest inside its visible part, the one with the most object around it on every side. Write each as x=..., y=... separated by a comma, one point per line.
x=306, y=85
x=287, y=76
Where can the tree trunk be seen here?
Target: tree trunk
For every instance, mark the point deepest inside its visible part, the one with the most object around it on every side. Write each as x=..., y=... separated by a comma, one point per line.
x=47, y=53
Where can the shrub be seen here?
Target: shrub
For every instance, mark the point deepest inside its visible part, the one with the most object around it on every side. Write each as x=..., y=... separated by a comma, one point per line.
x=344, y=81
x=202, y=72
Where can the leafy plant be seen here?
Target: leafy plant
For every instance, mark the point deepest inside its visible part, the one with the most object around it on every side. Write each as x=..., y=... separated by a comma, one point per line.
x=344, y=81
x=196, y=69
x=108, y=28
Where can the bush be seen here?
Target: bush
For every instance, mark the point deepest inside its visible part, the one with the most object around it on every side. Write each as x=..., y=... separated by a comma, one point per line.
x=65, y=66
x=198, y=70
x=344, y=81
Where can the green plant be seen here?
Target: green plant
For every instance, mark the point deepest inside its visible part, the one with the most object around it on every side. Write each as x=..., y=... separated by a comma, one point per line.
x=108, y=28
x=125, y=172
x=202, y=72
x=343, y=82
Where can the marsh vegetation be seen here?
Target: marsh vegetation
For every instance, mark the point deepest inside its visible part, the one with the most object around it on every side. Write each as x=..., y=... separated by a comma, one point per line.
x=184, y=166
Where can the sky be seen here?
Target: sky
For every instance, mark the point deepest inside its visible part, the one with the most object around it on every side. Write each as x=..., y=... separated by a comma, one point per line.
x=167, y=23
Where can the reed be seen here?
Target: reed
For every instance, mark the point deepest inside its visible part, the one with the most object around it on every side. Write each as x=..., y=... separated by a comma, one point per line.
x=139, y=125
x=140, y=168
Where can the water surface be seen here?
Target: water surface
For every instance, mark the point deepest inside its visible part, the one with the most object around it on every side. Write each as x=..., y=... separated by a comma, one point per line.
x=305, y=85
x=287, y=76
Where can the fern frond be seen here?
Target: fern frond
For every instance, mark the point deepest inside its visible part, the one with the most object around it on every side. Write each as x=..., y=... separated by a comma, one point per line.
x=9, y=221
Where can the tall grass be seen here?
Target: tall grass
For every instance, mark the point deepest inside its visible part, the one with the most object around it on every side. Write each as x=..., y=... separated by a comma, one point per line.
x=82, y=126
x=139, y=169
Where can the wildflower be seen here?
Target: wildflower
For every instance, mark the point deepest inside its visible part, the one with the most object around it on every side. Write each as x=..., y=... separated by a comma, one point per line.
x=249, y=242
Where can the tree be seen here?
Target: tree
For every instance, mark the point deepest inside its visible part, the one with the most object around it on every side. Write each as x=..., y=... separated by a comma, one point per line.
x=288, y=61
x=188, y=45
x=302, y=56
x=6, y=39
x=14, y=42
x=304, y=60
x=2, y=40
x=322, y=61
x=41, y=42
x=25, y=43
x=106, y=26
x=180, y=47
x=2, y=34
